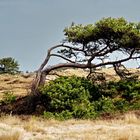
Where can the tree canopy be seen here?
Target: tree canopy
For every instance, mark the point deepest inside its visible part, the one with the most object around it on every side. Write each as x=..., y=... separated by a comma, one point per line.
x=103, y=38
x=85, y=45
x=9, y=65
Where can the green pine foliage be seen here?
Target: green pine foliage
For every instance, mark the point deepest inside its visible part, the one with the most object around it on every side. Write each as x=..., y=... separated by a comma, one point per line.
x=123, y=34
x=76, y=97
x=70, y=94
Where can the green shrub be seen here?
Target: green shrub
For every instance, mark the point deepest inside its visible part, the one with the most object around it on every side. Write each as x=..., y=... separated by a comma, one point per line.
x=9, y=97
x=121, y=104
x=64, y=115
x=135, y=105
x=125, y=94
x=75, y=97
x=71, y=94
x=48, y=115
x=104, y=105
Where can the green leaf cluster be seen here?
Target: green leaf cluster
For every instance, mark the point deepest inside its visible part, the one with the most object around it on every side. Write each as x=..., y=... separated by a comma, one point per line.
x=125, y=94
x=8, y=97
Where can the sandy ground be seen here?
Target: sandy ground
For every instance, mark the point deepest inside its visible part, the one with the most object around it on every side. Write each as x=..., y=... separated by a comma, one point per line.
x=127, y=128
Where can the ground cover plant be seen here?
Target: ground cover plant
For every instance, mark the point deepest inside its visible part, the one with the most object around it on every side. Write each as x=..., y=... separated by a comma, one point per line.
x=8, y=97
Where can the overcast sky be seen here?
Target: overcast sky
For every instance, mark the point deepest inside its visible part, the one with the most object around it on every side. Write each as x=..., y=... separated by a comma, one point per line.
x=29, y=27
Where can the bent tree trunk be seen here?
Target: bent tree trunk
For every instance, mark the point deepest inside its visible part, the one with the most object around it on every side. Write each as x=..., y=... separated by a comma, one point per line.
x=37, y=82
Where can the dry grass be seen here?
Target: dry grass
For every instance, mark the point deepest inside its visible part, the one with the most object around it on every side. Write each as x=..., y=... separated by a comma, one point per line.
x=34, y=125
x=14, y=83
x=26, y=128
x=12, y=135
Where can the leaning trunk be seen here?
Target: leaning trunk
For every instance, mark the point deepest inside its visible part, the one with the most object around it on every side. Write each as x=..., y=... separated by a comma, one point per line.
x=38, y=81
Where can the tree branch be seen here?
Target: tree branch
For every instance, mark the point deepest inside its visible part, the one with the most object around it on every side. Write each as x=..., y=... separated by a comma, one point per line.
x=57, y=55
x=76, y=65
x=119, y=61
x=51, y=49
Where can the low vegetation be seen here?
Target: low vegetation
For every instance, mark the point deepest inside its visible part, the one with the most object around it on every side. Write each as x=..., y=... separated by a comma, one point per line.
x=76, y=97
x=8, y=98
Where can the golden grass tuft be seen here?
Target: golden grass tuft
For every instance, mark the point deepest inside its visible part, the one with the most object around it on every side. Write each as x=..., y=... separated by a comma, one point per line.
x=10, y=120
x=15, y=83
x=11, y=135
x=131, y=119
x=33, y=125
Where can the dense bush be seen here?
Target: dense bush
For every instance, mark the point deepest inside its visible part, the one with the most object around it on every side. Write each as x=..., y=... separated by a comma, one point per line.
x=71, y=94
x=124, y=94
x=128, y=90
x=75, y=97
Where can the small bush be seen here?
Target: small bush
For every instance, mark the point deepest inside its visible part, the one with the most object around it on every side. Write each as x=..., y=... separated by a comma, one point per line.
x=121, y=104
x=9, y=97
x=48, y=115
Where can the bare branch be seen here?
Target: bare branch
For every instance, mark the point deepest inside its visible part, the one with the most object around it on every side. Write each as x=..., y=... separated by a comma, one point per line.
x=54, y=47
x=57, y=55
x=119, y=61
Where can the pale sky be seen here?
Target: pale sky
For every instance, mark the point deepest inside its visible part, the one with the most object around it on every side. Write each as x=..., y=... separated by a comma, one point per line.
x=29, y=27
